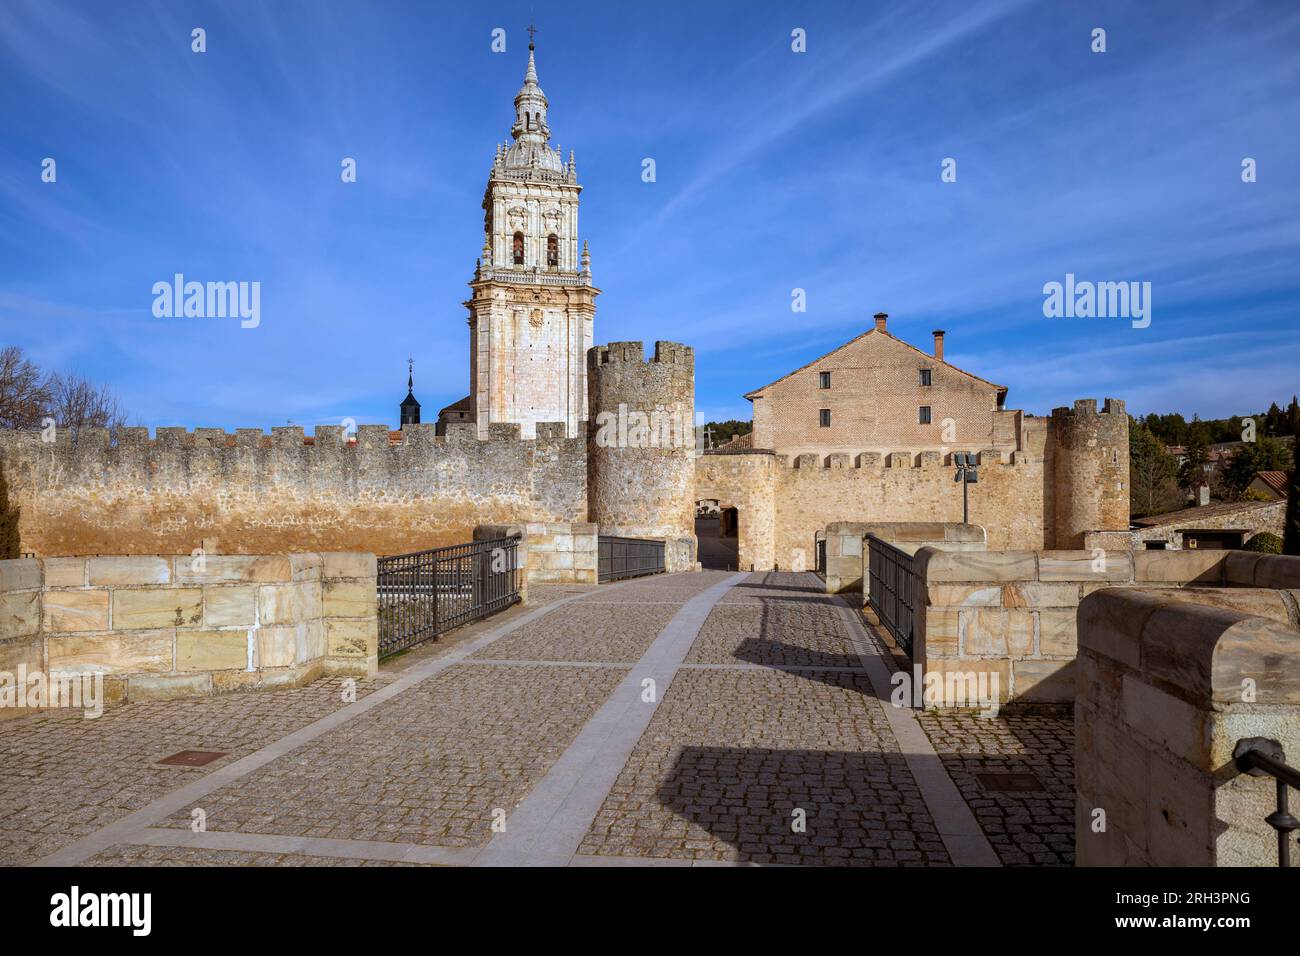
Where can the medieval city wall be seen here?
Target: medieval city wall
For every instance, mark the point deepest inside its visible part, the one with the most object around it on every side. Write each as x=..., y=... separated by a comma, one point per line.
x=1009, y=500
x=251, y=493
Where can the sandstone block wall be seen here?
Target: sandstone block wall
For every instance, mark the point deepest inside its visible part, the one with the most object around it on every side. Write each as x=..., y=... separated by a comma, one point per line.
x=550, y=553
x=639, y=485
x=175, y=626
x=251, y=493
x=20, y=620
x=848, y=558
x=1013, y=613
x=1161, y=705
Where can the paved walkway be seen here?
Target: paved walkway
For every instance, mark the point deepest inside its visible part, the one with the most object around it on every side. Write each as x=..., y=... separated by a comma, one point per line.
x=694, y=719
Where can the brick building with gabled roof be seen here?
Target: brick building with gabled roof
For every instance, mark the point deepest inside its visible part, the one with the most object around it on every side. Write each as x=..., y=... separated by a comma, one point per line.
x=878, y=393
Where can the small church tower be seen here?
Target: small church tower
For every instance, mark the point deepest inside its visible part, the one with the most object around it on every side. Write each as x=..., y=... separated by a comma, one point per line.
x=410, y=407
x=533, y=304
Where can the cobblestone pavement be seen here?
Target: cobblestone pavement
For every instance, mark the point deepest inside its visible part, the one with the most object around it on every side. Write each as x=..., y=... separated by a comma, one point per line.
x=1026, y=828
x=767, y=743
x=66, y=776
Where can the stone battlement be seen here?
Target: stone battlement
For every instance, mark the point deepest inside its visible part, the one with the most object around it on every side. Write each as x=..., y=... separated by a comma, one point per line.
x=1088, y=406
x=666, y=353
x=879, y=461
x=287, y=436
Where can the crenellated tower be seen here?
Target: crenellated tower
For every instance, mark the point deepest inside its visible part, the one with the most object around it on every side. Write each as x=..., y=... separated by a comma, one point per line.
x=1090, y=470
x=641, y=445
x=532, y=310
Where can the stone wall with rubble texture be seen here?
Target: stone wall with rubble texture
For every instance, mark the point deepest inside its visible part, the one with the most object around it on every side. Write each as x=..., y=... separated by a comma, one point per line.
x=1161, y=706
x=180, y=626
x=1090, y=470
x=251, y=493
x=640, y=486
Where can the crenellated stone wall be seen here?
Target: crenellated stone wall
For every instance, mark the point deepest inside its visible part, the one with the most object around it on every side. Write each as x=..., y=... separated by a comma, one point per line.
x=249, y=493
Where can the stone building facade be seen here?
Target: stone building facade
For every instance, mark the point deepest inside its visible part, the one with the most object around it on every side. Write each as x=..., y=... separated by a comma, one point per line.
x=532, y=308
x=878, y=393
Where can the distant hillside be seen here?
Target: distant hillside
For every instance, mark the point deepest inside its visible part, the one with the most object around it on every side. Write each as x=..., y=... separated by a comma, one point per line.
x=1174, y=429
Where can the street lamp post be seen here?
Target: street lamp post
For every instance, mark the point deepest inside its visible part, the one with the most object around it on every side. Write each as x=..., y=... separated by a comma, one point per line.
x=967, y=474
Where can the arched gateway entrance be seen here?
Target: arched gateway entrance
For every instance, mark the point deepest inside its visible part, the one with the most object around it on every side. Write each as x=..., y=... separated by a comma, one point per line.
x=717, y=533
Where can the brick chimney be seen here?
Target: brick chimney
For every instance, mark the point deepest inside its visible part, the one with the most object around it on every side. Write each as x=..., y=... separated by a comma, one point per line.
x=880, y=321
x=938, y=344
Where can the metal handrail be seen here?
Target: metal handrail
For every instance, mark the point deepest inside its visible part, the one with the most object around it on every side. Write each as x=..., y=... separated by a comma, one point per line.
x=426, y=593
x=891, y=588
x=619, y=558
x=1261, y=757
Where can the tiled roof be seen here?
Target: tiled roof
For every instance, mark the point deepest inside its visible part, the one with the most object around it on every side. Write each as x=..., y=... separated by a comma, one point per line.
x=1216, y=510
x=1275, y=480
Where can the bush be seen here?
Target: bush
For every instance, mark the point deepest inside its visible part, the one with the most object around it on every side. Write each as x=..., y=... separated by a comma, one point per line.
x=1265, y=543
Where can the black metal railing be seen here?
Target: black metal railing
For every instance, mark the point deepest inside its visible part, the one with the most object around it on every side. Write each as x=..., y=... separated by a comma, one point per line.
x=1261, y=757
x=426, y=593
x=619, y=558
x=892, y=588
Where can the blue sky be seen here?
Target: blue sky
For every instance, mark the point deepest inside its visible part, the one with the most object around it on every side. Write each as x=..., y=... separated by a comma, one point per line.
x=775, y=170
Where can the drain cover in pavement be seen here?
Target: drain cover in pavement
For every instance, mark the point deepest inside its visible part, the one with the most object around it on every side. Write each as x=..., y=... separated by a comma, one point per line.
x=191, y=758
x=1009, y=782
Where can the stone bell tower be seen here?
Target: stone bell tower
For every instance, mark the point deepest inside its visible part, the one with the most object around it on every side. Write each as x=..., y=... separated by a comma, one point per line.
x=533, y=305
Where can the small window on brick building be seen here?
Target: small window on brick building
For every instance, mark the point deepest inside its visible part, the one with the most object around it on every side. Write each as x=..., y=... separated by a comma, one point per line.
x=924, y=417
x=552, y=250
x=519, y=248
x=825, y=378
x=925, y=376
x=825, y=416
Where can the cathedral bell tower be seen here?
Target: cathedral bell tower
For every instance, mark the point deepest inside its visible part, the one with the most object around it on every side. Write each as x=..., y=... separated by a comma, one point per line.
x=533, y=304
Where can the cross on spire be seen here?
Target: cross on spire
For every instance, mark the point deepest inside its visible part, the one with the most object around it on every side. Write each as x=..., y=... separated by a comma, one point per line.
x=532, y=30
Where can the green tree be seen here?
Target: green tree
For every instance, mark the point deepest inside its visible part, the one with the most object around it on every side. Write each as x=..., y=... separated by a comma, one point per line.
x=1192, y=473
x=1152, y=473
x=9, y=542
x=720, y=432
x=1267, y=454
